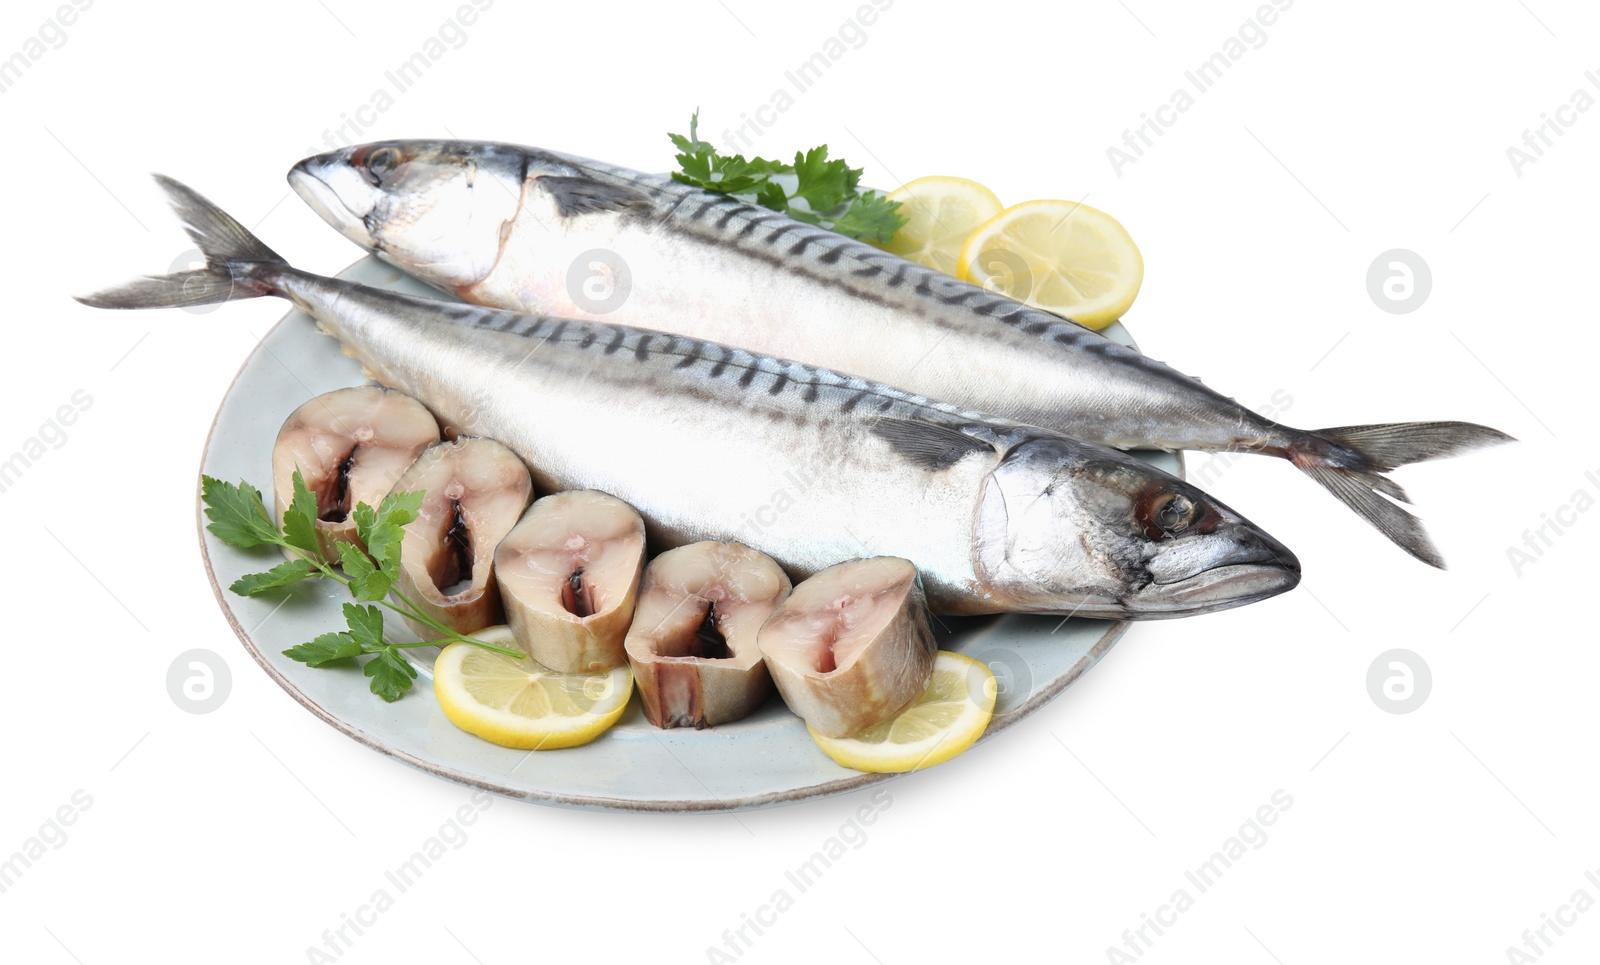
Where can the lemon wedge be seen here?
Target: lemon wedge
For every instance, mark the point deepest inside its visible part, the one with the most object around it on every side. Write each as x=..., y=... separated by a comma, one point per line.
x=521, y=703
x=943, y=722
x=941, y=213
x=1059, y=256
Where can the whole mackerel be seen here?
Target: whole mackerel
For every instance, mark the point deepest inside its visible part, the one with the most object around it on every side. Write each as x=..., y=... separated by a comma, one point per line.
x=806, y=465
x=538, y=231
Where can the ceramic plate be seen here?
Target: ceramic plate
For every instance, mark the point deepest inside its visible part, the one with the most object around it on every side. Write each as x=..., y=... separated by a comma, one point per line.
x=764, y=760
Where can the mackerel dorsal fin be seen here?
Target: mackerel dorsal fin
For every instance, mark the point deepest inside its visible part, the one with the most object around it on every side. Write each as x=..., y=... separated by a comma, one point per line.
x=579, y=195
x=928, y=445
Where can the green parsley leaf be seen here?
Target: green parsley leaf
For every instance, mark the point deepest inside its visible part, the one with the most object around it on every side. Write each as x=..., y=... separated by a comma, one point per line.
x=391, y=674
x=367, y=582
x=400, y=508
x=692, y=144
x=696, y=169
x=871, y=217
x=806, y=215
x=300, y=519
x=281, y=575
x=383, y=528
x=827, y=187
x=366, y=626
x=740, y=176
x=772, y=196
x=704, y=168
x=823, y=183
x=365, y=518
x=238, y=516
x=325, y=649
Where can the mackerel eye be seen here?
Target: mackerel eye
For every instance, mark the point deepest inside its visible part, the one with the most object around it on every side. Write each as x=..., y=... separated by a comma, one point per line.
x=1175, y=512
x=381, y=163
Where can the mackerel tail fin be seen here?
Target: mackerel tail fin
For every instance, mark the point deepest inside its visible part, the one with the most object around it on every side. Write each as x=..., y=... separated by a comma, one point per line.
x=1351, y=461
x=238, y=264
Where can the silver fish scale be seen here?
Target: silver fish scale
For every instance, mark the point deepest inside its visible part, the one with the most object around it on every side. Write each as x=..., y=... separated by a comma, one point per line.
x=626, y=412
x=822, y=392
x=762, y=232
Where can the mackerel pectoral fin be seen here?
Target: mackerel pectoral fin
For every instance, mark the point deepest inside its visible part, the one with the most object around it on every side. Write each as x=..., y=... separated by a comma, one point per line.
x=926, y=445
x=580, y=195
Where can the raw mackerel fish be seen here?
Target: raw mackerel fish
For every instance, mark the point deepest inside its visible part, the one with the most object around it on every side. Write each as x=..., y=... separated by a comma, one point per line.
x=537, y=231
x=804, y=464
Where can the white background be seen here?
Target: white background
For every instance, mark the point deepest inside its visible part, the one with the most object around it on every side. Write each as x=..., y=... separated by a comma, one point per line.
x=1437, y=835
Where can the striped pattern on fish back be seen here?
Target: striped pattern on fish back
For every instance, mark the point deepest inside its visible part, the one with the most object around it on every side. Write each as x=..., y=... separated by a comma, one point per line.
x=833, y=260
x=681, y=365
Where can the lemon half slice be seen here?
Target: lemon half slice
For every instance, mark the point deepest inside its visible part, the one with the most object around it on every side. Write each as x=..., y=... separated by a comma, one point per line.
x=941, y=213
x=1059, y=256
x=944, y=721
x=522, y=703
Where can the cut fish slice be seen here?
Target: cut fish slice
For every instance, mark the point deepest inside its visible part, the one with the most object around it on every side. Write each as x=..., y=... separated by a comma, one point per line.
x=475, y=490
x=851, y=646
x=351, y=446
x=693, y=641
x=569, y=575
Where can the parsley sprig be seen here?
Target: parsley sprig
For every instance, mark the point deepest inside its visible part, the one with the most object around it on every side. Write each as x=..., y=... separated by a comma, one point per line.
x=827, y=188
x=239, y=518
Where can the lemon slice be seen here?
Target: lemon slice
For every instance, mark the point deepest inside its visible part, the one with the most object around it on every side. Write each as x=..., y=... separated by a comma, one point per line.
x=946, y=720
x=941, y=212
x=1059, y=256
x=521, y=703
